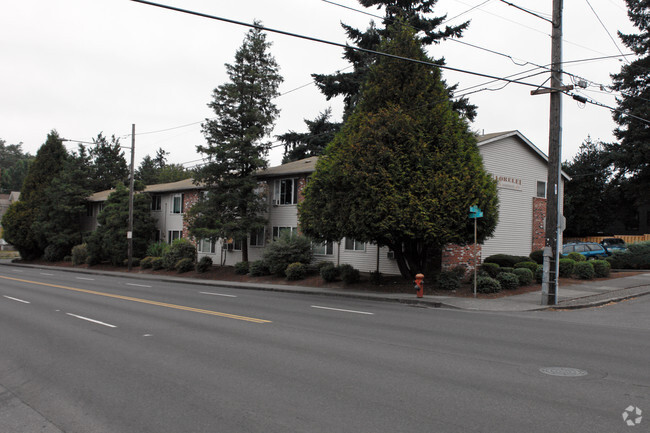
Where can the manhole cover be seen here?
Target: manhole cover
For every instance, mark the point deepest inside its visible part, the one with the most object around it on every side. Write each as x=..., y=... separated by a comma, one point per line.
x=563, y=371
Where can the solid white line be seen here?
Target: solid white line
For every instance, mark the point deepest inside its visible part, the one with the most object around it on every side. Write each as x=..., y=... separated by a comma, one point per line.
x=88, y=279
x=218, y=294
x=16, y=299
x=339, y=309
x=49, y=275
x=137, y=285
x=91, y=320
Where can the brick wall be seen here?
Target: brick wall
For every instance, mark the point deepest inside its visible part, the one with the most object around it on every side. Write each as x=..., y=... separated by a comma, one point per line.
x=189, y=199
x=457, y=255
x=539, y=217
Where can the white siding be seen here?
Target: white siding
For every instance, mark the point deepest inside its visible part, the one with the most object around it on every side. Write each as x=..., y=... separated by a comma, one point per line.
x=512, y=158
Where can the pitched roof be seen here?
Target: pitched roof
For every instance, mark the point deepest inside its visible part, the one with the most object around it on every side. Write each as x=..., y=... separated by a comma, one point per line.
x=181, y=185
x=306, y=165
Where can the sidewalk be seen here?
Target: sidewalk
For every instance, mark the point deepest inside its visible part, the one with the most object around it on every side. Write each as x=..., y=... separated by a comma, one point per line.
x=579, y=295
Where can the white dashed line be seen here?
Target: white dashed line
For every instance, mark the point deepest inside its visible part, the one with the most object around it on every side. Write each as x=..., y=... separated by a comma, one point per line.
x=16, y=299
x=339, y=309
x=91, y=320
x=87, y=279
x=137, y=285
x=218, y=294
x=49, y=275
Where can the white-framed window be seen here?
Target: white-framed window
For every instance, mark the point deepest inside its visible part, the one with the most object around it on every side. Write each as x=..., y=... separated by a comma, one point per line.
x=354, y=245
x=156, y=202
x=278, y=232
x=322, y=248
x=285, y=191
x=172, y=235
x=257, y=237
x=541, y=189
x=177, y=203
x=207, y=246
x=233, y=245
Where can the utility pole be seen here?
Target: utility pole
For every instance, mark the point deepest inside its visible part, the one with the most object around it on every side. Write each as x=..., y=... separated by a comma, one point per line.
x=129, y=233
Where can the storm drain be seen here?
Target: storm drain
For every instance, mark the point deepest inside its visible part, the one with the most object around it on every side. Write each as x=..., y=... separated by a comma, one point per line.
x=563, y=371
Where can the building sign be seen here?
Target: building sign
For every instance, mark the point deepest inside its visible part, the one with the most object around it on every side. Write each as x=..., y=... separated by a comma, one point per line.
x=506, y=182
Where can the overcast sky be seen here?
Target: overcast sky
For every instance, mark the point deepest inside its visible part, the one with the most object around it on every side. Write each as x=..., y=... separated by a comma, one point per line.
x=89, y=66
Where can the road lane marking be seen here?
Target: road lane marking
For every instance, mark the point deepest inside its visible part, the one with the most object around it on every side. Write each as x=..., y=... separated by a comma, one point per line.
x=138, y=285
x=91, y=320
x=49, y=275
x=86, y=279
x=16, y=299
x=340, y=309
x=143, y=301
x=218, y=294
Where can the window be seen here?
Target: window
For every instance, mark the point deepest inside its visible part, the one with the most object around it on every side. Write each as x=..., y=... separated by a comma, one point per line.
x=541, y=189
x=285, y=191
x=156, y=201
x=177, y=204
x=257, y=237
x=233, y=244
x=322, y=249
x=354, y=245
x=207, y=246
x=156, y=235
x=172, y=235
x=89, y=209
x=278, y=232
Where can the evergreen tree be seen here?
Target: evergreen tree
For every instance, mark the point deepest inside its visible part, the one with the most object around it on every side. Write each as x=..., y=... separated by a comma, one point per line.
x=156, y=170
x=416, y=13
x=320, y=132
x=18, y=223
x=13, y=166
x=109, y=242
x=588, y=197
x=405, y=167
x=236, y=147
x=631, y=154
x=109, y=167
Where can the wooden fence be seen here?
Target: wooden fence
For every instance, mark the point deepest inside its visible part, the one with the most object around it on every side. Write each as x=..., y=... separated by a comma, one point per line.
x=629, y=239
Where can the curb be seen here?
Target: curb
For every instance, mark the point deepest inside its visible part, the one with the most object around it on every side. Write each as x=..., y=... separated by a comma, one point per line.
x=598, y=303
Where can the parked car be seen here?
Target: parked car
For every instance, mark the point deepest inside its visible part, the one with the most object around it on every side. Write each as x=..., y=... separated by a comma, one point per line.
x=613, y=245
x=591, y=250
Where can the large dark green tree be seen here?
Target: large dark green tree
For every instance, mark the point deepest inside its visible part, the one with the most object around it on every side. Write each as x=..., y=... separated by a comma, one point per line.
x=237, y=145
x=156, y=170
x=18, y=222
x=109, y=242
x=14, y=164
x=405, y=167
x=417, y=14
x=299, y=145
x=631, y=153
x=109, y=167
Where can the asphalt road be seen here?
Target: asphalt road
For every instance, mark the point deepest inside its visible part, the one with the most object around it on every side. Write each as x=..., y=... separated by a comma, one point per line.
x=111, y=355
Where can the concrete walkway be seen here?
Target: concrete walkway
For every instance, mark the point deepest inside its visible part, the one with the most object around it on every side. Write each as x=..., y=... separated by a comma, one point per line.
x=582, y=294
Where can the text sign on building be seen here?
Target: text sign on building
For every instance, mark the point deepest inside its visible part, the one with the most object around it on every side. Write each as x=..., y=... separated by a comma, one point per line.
x=507, y=182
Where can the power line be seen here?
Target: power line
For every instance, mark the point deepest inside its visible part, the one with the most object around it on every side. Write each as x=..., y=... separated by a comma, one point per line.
x=526, y=10
x=605, y=28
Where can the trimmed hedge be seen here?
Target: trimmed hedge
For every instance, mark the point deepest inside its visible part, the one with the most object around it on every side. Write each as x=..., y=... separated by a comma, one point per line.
x=508, y=281
x=566, y=267
x=296, y=271
x=576, y=257
x=539, y=274
x=146, y=263
x=537, y=256
x=528, y=265
x=525, y=276
x=179, y=249
x=258, y=268
x=492, y=269
x=79, y=254
x=448, y=280
x=584, y=270
x=241, y=268
x=601, y=268
x=487, y=285
x=204, y=265
x=330, y=273
x=349, y=275
x=184, y=265
x=505, y=260
x=286, y=250
x=157, y=263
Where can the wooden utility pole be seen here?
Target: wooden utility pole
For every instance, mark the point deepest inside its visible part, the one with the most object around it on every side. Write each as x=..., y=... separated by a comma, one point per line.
x=129, y=234
x=553, y=202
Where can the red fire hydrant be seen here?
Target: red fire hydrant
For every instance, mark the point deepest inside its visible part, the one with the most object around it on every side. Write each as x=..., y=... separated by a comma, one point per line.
x=419, y=285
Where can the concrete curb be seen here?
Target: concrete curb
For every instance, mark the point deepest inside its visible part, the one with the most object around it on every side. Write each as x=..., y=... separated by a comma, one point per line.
x=584, y=302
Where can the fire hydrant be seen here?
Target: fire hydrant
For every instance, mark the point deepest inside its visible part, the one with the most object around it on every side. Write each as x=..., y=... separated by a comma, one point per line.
x=419, y=285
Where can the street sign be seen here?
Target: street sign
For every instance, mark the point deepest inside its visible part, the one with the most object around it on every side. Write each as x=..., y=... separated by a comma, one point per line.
x=475, y=212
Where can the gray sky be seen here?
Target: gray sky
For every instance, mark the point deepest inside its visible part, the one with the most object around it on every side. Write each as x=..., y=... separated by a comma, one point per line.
x=89, y=66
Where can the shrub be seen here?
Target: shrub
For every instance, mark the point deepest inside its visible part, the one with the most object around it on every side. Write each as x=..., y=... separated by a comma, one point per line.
x=330, y=273
x=184, y=265
x=537, y=256
x=601, y=268
x=566, y=267
x=204, y=265
x=67, y=259
x=157, y=263
x=241, y=268
x=487, y=285
x=525, y=275
x=296, y=271
x=321, y=265
x=584, y=270
x=539, y=274
x=508, y=281
x=146, y=263
x=375, y=278
x=286, y=250
x=258, y=268
x=506, y=270
x=637, y=256
x=448, y=280
x=54, y=253
x=576, y=257
x=179, y=249
x=528, y=265
x=79, y=254
x=157, y=249
x=505, y=260
x=460, y=271
x=492, y=269
x=349, y=275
